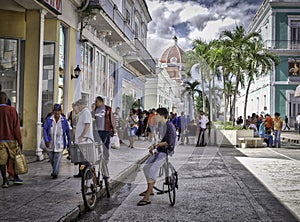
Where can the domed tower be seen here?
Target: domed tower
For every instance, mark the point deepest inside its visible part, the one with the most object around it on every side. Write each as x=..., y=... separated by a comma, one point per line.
x=172, y=60
x=173, y=54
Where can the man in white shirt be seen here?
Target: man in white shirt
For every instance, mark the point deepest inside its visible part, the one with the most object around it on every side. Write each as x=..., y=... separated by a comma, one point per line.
x=203, y=120
x=298, y=121
x=84, y=129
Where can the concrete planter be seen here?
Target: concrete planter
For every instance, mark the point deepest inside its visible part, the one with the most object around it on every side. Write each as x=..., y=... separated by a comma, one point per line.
x=229, y=138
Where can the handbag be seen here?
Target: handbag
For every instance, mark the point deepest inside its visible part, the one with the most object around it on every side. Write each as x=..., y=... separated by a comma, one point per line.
x=21, y=166
x=42, y=144
x=115, y=142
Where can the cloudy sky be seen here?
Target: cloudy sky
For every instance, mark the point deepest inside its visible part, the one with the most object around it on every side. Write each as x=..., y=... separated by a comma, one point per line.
x=193, y=19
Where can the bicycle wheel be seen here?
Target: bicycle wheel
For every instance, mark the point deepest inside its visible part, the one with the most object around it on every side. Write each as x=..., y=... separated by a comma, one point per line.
x=172, y=183
x=89, y=188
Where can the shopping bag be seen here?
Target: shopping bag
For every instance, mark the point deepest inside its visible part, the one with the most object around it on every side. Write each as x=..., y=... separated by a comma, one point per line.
x=115, y=142
x=21, y=166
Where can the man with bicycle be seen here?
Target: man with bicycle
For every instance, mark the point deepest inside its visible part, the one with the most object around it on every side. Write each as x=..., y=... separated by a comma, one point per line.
x=159, y=152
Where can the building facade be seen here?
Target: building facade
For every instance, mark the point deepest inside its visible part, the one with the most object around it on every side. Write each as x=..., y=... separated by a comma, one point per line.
x=42, y=42
x=278, y=22
x=166, y=89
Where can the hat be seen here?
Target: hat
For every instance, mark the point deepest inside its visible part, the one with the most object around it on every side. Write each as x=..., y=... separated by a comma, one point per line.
x=57, y=106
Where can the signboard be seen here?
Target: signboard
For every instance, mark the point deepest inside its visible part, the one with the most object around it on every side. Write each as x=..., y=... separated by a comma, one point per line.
x=53, y=5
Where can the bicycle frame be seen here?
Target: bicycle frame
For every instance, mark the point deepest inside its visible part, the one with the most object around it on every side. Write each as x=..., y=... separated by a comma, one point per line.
x=170, y=181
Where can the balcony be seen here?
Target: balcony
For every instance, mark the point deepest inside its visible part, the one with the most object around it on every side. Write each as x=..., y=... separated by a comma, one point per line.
x=111, y=24
x=282, y=44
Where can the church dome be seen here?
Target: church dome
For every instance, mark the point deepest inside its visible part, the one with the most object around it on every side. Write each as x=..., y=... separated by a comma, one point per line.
x=173, y=54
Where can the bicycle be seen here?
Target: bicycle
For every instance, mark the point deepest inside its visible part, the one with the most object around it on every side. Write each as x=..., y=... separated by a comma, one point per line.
x=92, y=178
x=168, y=177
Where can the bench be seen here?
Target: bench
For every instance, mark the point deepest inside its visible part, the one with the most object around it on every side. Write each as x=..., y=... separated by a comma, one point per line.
x=250, y=142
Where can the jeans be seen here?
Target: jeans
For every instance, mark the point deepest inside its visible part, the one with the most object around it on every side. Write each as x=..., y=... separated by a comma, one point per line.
x=55, y=160
x=277, y=138
x=105, y=138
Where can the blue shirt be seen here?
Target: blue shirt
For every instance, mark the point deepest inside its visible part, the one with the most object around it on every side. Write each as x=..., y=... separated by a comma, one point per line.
x=169, y=136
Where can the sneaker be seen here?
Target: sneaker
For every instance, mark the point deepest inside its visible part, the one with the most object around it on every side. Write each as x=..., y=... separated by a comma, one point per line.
x=18, y=181
x=5, y=184
x=54, y=176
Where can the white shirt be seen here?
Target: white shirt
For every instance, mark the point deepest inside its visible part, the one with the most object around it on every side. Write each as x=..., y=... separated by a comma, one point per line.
x=203, y=121
x=298, y=119
x=56, y=133
x=84, y=117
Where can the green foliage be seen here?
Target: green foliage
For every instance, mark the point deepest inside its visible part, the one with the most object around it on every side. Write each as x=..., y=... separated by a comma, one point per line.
x=220, y=125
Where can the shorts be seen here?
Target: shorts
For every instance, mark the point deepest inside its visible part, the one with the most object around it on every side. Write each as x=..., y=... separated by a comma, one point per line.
x=8, y=149
x=152, y=166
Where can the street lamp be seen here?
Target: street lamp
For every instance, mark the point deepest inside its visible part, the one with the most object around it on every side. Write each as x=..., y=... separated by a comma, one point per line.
x=77, y=72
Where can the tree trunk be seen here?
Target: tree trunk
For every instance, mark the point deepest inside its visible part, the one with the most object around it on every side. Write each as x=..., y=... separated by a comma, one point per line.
x=225, y=101
x=246, y=101
x=203, y=92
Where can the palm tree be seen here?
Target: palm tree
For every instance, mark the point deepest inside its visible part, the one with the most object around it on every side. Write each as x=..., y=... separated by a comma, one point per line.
x=219, y=57
x=191, y=88
x=195, y=59
x=260, y=61
x=239, y=42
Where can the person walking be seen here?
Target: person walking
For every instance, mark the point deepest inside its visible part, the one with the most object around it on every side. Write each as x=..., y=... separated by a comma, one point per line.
x=84, y=127
x=277, y=129
x=159, y=152
x=132, y=126
x=182, y=125
x=286, y=121
x=203, y=120
x=57, y=136
x=118, y=121
x=105, y=124
x=10, y=138
x=152, y=124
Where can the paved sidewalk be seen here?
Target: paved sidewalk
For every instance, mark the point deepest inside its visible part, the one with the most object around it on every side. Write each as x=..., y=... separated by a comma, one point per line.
x=41, y=198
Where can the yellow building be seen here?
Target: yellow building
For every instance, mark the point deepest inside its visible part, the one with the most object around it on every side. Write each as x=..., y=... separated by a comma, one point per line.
x=43, y=41
x=38, y=51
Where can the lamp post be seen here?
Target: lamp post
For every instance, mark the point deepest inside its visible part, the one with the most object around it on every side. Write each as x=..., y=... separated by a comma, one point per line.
x=77, y=72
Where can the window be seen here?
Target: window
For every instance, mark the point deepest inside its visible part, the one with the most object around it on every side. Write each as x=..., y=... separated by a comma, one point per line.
x=9, y=68
x=127, y=16
x=112, y=78
x=295, y=34
x=87, y=68
x=48, y=79
x=100, y=86
x=12, y=72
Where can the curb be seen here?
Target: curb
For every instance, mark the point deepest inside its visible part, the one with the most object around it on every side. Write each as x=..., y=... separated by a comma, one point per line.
x=115, y=185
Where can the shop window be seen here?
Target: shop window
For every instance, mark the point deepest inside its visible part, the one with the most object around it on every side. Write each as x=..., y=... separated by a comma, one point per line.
x=48, y=79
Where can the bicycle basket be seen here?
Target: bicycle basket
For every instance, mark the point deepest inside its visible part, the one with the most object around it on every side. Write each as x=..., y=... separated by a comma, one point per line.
x=84, y=152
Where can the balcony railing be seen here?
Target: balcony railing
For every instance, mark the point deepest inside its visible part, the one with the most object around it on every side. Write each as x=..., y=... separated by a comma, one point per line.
x=145, y=55
x=282, y=44
x=115, y=15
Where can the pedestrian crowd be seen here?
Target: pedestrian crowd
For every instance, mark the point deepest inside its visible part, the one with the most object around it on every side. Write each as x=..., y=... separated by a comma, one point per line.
x=266, y=127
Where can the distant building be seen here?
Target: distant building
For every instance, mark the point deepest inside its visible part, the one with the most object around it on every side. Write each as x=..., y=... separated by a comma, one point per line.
x=278, y=22
x=171, y=74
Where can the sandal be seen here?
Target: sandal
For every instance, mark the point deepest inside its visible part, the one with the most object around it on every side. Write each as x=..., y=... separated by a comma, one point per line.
x=160, y=192
x=143, y=203
x=144, y=193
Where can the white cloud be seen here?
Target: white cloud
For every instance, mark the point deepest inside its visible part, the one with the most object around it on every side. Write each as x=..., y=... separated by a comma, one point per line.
x=191, y=20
